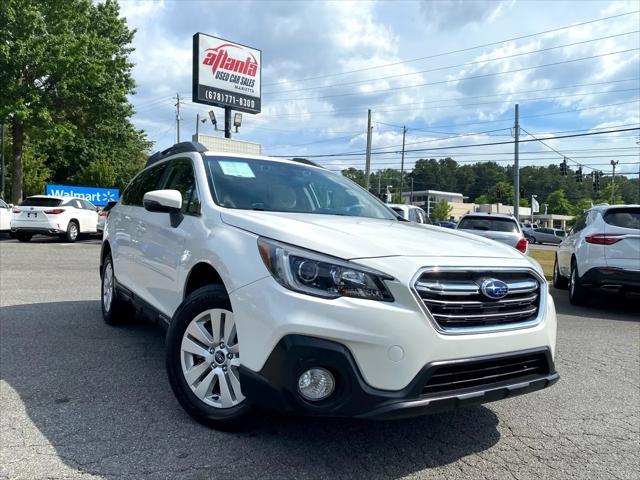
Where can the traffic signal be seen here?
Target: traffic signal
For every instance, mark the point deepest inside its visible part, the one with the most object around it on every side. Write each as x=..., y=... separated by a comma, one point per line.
x=563, y=168
x=498, y=193
x=521, y=192
x=578, y=175
x=596, y=180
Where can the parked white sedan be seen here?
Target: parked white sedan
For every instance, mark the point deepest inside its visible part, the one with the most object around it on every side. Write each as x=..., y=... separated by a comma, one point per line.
x=67, y=217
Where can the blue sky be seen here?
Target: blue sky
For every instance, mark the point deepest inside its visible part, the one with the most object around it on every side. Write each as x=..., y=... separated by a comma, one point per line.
x=311, y=106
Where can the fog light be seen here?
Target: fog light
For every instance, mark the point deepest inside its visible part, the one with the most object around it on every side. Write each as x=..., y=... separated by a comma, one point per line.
x=316, y=384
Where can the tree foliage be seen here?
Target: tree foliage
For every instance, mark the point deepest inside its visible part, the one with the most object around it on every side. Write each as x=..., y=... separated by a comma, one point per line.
x=441, y=210
x=64, y=81
x=480, y=182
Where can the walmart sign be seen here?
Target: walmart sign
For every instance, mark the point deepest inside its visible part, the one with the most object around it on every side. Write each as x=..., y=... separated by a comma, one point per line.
x=97, y=196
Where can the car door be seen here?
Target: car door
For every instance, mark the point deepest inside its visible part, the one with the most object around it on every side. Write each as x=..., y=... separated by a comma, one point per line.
x=91, y=216
x=567, y=247
x=163, y=245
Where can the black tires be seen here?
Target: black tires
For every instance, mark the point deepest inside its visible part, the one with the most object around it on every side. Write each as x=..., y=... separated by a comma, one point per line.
x=73, y=231
x=532, y=240
x=115, y=310
x=559, y=282
x=202, y=359
x=578, y=294
x=23, y=237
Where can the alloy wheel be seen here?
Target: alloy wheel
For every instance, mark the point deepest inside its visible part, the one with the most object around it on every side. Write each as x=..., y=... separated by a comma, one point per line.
x=107, y=286
x=209, y=355
x=73, y=231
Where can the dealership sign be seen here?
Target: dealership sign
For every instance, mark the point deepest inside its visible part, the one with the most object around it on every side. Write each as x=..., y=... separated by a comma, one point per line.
x=97, y=196
x=226, y=74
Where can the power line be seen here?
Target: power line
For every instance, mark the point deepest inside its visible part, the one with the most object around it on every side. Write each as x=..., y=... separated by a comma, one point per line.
x=472, y=77
x=464, y=146
x=460, y=65
x=467, y=49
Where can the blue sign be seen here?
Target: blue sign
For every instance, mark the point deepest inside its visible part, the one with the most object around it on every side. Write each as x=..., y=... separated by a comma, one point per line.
x=97, y=196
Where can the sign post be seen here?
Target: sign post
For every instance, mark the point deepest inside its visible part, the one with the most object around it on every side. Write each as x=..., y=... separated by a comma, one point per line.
x=227, y=75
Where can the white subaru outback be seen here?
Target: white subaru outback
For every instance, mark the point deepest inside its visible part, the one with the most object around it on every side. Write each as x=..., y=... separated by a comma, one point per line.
x=286, y=286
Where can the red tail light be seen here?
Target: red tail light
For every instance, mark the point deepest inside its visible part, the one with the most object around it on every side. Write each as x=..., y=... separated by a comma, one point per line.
x=604, y=238
x=103, y=214
x=522, y=244
x=16, y=210
x=55, y=211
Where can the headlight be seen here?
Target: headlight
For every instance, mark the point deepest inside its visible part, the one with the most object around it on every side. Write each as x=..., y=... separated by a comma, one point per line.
x=319, y=275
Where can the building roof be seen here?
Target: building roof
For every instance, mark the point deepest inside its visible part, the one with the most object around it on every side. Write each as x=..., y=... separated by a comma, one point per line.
x=434, y=192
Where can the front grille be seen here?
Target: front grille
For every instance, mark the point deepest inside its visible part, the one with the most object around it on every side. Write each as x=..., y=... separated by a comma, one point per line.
x=474, y=374
x=455, y=300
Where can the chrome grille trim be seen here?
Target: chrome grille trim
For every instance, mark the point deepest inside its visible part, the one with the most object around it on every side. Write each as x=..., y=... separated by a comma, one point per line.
x=524, y=306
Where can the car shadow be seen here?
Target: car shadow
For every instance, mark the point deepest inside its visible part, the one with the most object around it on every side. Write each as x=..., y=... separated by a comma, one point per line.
x=46, y=239
x=100, y=397
x=600, y=306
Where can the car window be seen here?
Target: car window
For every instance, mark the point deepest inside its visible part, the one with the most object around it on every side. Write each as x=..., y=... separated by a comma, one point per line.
x=40, y=202
x=181, y=177
x=580, y=223
x=413, y=215
x=398, y=210
x=274, y=186
x=623, y=217
x=88, y=205
x=494, y=224
x=421, y=216
x=560, y=233
x=3, y=204
x=146, y=181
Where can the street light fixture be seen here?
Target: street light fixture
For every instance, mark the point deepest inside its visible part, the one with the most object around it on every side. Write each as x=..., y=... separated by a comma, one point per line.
x=214, y=122
x=237, y=120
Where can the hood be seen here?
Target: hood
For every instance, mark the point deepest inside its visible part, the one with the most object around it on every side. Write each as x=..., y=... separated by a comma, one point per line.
x=357, y=237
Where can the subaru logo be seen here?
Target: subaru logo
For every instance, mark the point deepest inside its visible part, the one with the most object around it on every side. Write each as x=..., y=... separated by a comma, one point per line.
x=494, y=289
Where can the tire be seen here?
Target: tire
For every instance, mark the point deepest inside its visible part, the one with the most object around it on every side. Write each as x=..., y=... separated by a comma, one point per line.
x=559, y=282
x=115, y=310
x=23, y=237
x=533, y=240
x=205, y=380
x=578, y=294
x=73, y=231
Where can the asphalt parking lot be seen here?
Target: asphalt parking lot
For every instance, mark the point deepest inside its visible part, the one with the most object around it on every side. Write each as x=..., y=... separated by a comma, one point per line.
x=80, y=399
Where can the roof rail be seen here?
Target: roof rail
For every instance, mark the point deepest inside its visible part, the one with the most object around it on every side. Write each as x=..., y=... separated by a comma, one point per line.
x=181, y=147
x=306, y=161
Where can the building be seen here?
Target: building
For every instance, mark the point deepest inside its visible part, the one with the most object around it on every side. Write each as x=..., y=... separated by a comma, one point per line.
x=221, y=144
x=421, y=197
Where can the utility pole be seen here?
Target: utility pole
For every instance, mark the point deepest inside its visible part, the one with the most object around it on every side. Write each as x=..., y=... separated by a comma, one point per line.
x=516, y=168
x=533, y=197
x=411, y=195
x=197, y=125
x=613, y=181
x=404, y=134
x=367, y=165
x=227, y=122
x=177, y=118
x=379, y=180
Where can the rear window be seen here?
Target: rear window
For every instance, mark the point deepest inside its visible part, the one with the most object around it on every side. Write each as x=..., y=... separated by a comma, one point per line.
x=623, y=217
x=560, y=233
x=40, y=202
x=494, y=224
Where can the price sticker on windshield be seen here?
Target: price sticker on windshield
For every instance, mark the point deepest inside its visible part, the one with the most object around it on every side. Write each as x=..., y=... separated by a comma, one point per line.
x=236, y=169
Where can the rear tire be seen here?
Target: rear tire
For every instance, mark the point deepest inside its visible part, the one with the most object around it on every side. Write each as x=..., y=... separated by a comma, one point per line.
x=73, y=231
x=202, y=359
x=23, y=237
x=559, y=282
x=578, y=294
x=533, y=240
x=115, y=310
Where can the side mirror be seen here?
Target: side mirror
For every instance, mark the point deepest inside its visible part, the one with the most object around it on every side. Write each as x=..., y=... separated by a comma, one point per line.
x=168, y=201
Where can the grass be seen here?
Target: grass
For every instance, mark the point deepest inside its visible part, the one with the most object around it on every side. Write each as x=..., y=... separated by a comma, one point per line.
x=545, y=258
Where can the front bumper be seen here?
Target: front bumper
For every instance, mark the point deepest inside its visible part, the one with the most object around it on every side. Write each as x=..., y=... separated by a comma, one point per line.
x=275, y=385
x=612, y=279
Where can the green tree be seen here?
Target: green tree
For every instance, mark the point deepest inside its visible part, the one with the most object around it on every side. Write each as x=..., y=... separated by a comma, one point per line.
x=559, y=204
x=64, y=80
x=354, y=174
x=441, y=210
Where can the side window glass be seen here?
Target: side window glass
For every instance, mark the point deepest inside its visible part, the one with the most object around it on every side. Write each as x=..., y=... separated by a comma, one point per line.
x=181, y=178
x=581, y=223
x=146, y=181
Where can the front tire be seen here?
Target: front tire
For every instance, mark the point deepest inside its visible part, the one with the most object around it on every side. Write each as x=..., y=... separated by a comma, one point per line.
x=202, y=359
x=115, y=310
x=577, y=292
x=559, y=282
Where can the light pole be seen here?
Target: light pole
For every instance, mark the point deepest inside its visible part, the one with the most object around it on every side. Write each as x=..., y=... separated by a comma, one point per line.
x=533, y=199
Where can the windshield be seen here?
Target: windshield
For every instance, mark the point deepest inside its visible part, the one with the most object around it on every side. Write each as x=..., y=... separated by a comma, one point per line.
x=495, y=224
x=40, y=202
x=273, y=186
